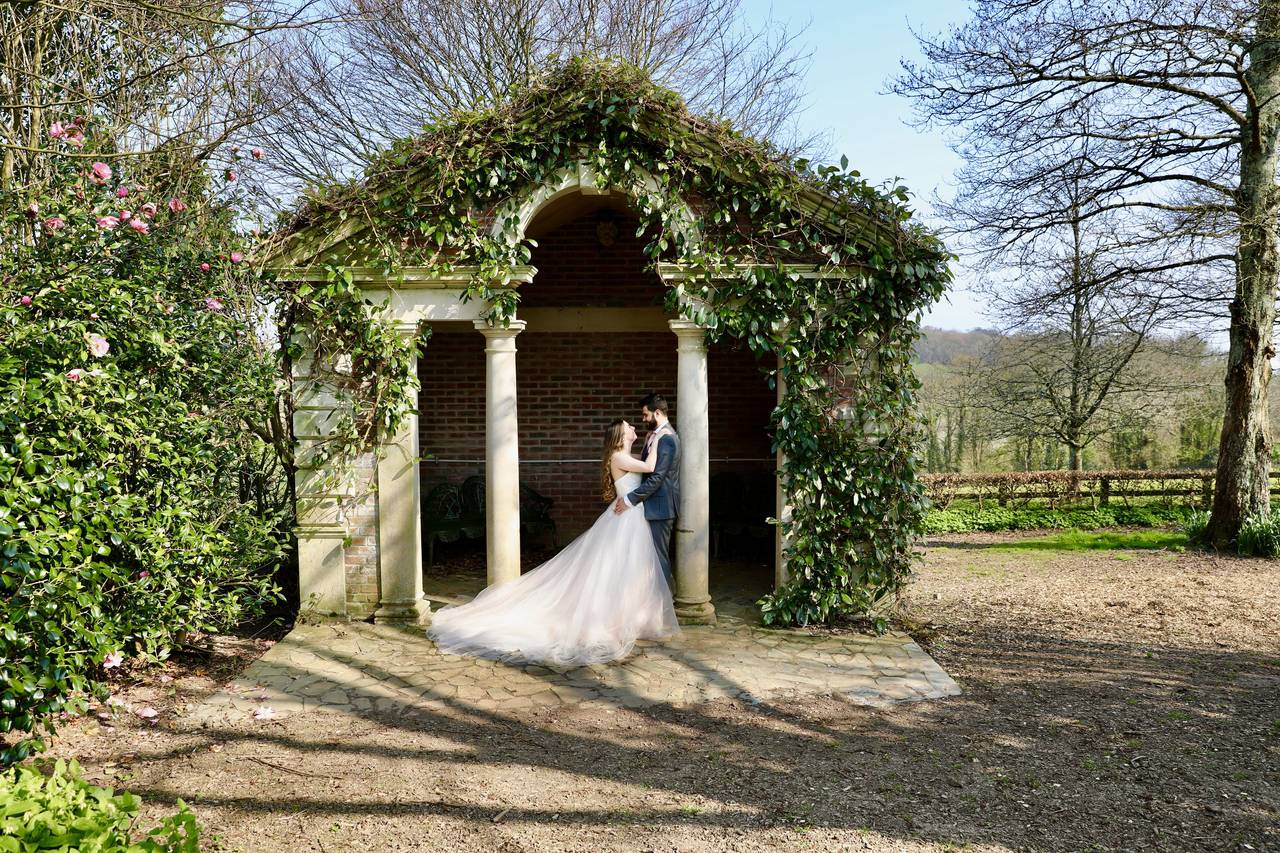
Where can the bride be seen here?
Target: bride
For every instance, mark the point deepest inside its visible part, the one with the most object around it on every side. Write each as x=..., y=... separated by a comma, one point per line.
x=589, y=603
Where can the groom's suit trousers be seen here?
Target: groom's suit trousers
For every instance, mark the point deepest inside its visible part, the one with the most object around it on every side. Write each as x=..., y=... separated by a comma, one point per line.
x=660, y=529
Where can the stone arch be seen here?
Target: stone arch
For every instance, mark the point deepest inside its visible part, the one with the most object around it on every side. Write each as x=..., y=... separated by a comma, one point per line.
x=580, y=177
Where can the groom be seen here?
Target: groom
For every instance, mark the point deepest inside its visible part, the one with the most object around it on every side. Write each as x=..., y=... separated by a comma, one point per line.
x=659, y=491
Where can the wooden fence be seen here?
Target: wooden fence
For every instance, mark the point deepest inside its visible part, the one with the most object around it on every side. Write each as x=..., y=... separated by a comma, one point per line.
x=1189, y=486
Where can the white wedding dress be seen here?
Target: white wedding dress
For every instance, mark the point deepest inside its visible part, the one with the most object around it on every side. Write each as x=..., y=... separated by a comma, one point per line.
x=588, y=604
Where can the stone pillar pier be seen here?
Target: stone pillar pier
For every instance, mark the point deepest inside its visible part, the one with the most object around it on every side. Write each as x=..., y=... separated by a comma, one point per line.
x=693, y=527
x=400, y=521
x=322, y=529
x=502, y=452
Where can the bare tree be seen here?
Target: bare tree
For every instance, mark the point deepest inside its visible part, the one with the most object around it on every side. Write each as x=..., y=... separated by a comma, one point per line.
x=383, y=68
x=1171, y=107
x=1074, y=328
x=175, y=78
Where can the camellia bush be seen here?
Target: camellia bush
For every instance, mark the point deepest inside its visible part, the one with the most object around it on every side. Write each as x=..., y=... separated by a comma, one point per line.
x=135, y=400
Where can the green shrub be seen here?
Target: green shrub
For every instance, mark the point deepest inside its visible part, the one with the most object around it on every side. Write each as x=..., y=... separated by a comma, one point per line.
x=963, y=520
x=1260, y=536
x=133, y=393
x=61, y=811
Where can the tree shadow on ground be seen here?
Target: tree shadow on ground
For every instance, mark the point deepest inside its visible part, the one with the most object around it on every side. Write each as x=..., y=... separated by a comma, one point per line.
x=1057, y=744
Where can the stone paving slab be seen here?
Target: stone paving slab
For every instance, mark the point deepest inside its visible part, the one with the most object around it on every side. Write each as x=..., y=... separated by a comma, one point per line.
x=355, y=667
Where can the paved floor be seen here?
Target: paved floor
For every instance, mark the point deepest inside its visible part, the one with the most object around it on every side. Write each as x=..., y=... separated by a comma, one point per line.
x=357, y=667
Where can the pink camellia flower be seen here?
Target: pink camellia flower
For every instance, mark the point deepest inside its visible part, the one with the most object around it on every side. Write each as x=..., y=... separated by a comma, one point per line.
x=140, y=226
x=74, y=137
x=112, y=660
x=126, y=215
x=148, y=210
x=57, y=131
x=144, y=574
x=25, y=300
x=108, y=222
x=98, y=345
x=33, y=210
x=257, y=153
x=75, y=374
x=205, y=267
x=237, y=257
x=93, y=315
x=100, y=173
x=54, y=223
x=231, y=174
x=213, y=303
x=122, y=192
x=177, y=205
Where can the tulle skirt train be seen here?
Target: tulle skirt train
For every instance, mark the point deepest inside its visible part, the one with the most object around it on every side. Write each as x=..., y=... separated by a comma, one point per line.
x=587, y=604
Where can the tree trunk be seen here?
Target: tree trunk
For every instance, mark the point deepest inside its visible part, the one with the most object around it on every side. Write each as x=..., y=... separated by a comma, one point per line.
x=1075, y=457
x=1242, y=484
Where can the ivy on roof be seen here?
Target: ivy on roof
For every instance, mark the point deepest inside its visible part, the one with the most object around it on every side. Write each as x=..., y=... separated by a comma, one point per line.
x=419, y=201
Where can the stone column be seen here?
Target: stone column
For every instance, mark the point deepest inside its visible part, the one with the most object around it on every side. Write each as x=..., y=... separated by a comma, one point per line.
x=400, y=521
x=502, y=452
x=781, y=542
x=693, y=527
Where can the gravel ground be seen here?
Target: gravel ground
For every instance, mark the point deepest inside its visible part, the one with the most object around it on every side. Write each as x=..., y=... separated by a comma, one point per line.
x=1113, y=701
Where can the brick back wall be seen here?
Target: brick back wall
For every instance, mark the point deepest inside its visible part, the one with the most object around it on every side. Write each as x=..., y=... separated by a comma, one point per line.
x=570, y=387
x=576, y=271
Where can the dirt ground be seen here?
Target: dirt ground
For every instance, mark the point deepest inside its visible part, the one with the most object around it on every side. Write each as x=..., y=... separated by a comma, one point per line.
x=1113, y=701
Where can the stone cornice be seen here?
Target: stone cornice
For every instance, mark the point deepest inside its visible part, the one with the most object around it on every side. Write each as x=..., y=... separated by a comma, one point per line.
x=681, y=272
x=404, y=278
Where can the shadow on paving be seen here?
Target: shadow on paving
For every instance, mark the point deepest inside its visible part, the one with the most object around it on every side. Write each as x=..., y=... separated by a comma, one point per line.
x=1057, y=744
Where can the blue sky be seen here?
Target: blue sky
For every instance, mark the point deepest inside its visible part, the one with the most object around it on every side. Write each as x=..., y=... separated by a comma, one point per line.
x=857, y=46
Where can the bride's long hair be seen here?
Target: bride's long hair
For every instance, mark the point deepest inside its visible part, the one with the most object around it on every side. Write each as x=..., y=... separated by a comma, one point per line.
x=612, y=444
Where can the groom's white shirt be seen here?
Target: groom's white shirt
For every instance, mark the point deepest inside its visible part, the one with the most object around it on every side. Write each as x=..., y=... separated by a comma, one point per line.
x=648, y=442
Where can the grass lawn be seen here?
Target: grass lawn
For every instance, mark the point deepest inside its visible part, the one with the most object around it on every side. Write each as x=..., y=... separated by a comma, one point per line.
x=1098, y=540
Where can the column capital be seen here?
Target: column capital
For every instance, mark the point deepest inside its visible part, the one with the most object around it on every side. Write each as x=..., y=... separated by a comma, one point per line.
x=489, y=330
x=692, y=336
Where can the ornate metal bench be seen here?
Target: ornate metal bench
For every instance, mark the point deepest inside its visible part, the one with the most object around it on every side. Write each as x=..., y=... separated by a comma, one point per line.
x=451, y=512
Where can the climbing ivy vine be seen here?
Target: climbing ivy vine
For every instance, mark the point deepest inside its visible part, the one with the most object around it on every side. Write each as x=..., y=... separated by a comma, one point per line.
x=810, y=264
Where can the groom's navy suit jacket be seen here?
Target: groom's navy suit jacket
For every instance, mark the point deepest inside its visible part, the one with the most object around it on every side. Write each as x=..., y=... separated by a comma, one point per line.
x=660, y=491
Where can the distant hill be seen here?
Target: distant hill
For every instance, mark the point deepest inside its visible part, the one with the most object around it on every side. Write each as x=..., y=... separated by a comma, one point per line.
x=943, y=346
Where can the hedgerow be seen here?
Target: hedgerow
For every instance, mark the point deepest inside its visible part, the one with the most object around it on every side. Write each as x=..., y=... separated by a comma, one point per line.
x=963, y=520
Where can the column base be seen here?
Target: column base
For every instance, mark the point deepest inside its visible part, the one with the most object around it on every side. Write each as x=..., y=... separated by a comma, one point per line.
x=404, y=612
x=695, y=612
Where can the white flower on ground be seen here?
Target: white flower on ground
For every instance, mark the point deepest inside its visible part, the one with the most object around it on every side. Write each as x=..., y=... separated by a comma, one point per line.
x=264, y=712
